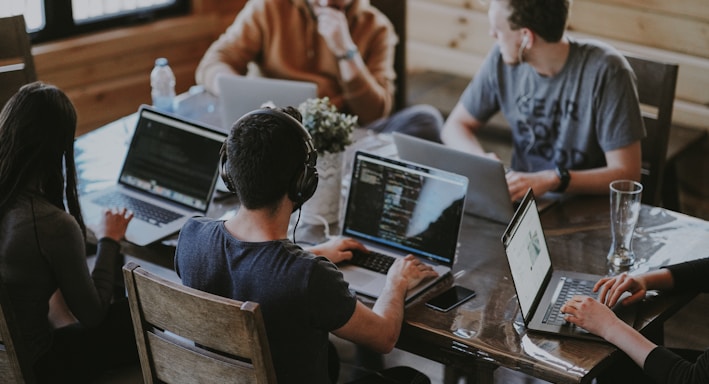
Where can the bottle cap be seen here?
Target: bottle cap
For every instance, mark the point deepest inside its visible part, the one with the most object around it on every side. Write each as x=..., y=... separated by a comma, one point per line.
x=161, y=62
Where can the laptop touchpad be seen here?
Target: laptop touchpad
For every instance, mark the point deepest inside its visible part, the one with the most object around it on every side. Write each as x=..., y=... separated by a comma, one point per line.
x=360, y=278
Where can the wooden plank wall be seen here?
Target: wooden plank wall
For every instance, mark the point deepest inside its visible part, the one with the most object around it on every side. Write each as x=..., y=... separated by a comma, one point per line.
x=107, y=74
x=452, y=36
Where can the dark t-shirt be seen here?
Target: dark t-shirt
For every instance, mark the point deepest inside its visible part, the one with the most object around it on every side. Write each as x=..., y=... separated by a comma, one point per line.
x=303, y=297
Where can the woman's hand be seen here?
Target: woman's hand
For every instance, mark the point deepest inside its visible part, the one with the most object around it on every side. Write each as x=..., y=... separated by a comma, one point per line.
x=590, y=314
x=611, y=288
x=114, y=224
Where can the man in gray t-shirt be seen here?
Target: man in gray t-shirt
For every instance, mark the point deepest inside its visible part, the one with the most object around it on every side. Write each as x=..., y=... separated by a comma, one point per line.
x=572, y=105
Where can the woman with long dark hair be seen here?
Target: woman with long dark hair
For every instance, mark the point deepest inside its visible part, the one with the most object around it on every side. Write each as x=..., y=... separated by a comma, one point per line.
x=43, y=250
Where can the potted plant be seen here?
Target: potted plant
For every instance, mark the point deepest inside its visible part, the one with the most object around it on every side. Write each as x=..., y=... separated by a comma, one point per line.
x=332, y=133
x=330, y=129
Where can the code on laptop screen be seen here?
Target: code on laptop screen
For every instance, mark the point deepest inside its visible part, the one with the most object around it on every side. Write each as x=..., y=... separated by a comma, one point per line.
x=412, y=208
x=172, y=159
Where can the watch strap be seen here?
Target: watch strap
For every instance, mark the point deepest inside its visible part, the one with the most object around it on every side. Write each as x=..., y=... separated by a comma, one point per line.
x=564, y=178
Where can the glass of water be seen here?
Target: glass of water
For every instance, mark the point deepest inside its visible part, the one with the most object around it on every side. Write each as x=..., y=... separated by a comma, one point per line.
x=625, y=207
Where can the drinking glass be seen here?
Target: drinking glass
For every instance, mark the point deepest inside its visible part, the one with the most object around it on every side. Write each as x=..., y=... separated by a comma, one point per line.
x=625, y=208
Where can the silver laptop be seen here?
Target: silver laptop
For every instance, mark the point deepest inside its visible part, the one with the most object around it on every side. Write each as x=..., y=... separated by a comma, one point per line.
x=168, y=176
x=488, y=194
x=396, y=208
x=542, y=290
x=241, y=94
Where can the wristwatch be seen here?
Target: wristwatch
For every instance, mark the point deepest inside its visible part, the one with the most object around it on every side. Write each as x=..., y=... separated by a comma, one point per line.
x=564, y=178
x=349, y=55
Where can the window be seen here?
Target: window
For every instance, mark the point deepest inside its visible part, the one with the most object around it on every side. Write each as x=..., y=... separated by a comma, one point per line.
x=32, y=9
x=85, y=11
x=53, y=19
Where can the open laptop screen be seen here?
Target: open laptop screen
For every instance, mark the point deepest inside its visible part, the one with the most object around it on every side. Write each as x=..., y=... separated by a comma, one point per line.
x=176, y=164
x=409, y=207
x=527, y=253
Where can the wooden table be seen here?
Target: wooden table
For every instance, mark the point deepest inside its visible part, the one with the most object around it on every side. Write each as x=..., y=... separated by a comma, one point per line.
x=487, y=331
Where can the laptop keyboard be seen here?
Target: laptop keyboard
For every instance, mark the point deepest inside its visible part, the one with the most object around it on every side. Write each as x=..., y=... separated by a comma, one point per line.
x=570, y=287
x=373, y=261
x=141, y=209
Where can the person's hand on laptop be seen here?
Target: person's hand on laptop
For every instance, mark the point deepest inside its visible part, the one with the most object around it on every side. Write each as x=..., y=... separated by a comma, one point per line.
x=337, y=249
x=409, y=270
x=541, y=182
x=592, y=315
x=113, y=224
x=612, y=288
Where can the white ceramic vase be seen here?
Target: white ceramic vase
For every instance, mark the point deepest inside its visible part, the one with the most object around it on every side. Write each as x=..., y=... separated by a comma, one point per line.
x=324, y=206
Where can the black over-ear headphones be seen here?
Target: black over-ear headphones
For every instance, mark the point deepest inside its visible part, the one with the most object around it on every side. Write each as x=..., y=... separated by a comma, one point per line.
x=303, y=185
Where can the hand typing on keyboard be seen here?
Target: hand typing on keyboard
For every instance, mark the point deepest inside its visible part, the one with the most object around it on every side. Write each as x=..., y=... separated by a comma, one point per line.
x=337, y=249
x=409, y=271
x=113, y=224
x=592, y=315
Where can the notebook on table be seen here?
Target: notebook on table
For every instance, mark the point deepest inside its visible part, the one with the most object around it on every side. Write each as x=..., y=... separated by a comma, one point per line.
x=488, y=195
x=241, y=94
x=397, y=208
x=168, y=175
x=542, y=290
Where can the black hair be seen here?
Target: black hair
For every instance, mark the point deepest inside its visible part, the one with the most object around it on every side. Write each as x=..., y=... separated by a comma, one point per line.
x=37, y=127
x=265, y=157
x=546, y=18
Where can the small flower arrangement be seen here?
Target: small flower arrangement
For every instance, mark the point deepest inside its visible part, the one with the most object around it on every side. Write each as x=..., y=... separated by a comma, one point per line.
x=330, y=129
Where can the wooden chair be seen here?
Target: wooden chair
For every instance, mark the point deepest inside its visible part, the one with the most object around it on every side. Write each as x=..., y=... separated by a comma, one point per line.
x=14, y=365
x=395, y=10
x=656, y=83
x=189, y=336
x=16, y=62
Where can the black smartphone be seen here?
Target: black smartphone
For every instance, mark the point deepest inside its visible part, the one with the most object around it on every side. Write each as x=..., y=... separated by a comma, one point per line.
x=450, y=298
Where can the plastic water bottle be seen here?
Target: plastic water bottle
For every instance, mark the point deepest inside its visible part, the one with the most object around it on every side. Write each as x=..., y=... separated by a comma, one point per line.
x=162, y=81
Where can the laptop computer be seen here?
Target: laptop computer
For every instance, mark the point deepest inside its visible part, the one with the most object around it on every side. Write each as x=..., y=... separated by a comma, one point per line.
x=542, y=290
x=396, y=208
x=168, y=175
x=488, y=195
x=241, y=94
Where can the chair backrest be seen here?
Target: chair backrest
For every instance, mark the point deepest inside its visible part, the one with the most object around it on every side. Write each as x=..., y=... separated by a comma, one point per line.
x=188, y=336
x=16, y=62
x=656, y=91
x=395, y=10
x=14, y=362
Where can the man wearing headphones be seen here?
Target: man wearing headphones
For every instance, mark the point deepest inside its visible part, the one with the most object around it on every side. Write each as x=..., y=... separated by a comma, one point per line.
x=269, y=162
x=572, y=104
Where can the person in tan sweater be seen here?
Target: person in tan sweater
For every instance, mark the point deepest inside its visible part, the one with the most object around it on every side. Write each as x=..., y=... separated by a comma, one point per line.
x=346, y=47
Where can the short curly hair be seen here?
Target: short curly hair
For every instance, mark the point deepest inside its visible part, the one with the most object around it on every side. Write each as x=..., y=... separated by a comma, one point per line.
x=547, y=18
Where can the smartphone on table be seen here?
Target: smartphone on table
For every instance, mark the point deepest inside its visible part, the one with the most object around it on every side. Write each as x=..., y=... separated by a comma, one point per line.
x=450, y=298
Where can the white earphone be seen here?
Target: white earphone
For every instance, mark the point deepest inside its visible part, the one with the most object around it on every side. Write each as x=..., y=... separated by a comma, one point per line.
x=522, y=47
